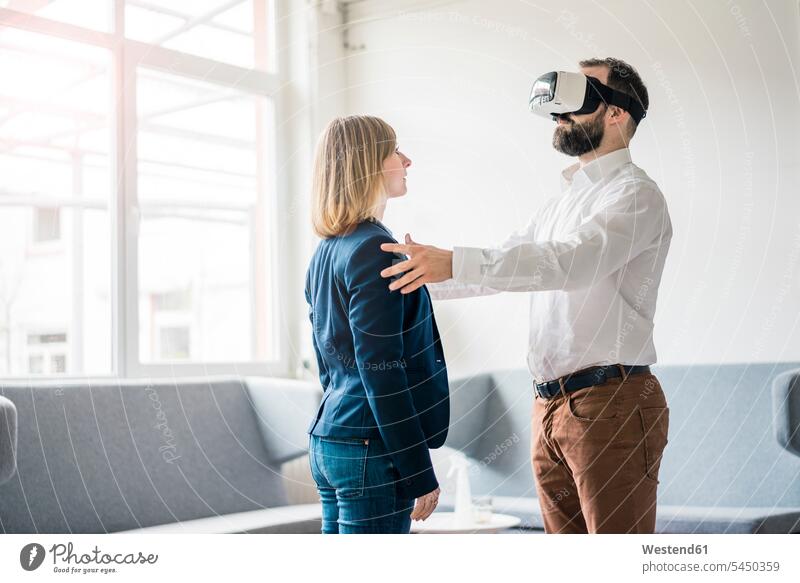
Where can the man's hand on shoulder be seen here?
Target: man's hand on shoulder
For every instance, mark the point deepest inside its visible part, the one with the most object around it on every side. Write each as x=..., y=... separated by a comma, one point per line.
x=426, y=264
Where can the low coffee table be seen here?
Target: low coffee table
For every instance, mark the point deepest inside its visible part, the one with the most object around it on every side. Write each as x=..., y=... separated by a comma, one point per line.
x=444, y=523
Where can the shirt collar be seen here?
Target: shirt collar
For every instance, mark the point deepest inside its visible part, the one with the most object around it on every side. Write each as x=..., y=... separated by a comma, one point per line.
x=597, y=169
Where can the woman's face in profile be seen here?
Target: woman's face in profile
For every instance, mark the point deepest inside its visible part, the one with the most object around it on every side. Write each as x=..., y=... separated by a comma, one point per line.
x=394, y=173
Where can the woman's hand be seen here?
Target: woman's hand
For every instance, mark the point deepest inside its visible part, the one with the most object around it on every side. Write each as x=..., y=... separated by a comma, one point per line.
x=425, y=505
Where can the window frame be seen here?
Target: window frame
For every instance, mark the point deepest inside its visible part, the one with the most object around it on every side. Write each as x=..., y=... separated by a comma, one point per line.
x=127, y=56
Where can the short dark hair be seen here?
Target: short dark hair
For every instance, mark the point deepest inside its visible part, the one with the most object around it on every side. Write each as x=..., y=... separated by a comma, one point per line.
x=622, y=77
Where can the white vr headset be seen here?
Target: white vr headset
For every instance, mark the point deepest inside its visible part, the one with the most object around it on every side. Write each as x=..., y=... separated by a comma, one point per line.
x=559, y=92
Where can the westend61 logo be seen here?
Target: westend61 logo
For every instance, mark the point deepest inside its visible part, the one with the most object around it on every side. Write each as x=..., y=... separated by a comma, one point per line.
x=32, y=556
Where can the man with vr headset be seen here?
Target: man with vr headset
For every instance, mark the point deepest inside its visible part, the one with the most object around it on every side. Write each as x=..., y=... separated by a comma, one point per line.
x=592, y=258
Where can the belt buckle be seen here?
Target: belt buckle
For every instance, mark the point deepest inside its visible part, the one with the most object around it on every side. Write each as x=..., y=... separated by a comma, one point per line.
x=543, y=393
x=538, y=391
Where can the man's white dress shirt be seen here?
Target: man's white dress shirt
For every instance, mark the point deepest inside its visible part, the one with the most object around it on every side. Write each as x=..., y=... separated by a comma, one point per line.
x=592, y=258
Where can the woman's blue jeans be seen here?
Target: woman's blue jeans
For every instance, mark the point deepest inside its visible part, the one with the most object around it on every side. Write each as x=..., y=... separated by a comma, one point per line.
x=356, y=480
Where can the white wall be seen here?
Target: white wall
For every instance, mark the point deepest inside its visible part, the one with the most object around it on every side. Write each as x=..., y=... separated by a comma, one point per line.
x=720, y=139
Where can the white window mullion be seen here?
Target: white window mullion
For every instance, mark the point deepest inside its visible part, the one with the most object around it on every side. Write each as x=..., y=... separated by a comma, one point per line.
x=117, y=207
x=33, y=23
x=195, y=67
x=128, y=261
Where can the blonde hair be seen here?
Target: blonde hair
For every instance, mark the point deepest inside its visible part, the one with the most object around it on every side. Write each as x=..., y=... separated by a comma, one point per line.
x=348, y=172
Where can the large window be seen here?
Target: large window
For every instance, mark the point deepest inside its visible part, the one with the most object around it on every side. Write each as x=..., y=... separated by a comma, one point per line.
x=200, y=150
x=55, y=270
x=136, y=149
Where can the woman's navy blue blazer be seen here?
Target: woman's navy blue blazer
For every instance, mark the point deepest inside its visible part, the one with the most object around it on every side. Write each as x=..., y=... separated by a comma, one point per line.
x=379, y=354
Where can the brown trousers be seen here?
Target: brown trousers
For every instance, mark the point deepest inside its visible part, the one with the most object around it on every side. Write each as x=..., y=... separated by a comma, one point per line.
x=596, y=455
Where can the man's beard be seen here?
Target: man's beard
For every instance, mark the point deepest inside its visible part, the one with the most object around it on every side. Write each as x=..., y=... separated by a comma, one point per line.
x=575, y=139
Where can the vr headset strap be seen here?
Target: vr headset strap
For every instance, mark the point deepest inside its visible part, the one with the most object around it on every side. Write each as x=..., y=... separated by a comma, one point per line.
x=618, y=98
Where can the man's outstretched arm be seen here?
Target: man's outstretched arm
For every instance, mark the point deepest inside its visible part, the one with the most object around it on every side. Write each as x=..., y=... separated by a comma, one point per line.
x=601, y=245
x=451, y=288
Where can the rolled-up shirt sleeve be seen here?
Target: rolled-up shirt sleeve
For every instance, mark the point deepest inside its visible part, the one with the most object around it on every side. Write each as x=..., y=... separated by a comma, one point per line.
x=629, y=221
x=452, y=290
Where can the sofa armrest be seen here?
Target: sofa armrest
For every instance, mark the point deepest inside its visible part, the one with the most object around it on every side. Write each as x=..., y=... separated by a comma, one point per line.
x=8, y=439
x=786, y=410
x=284, y=408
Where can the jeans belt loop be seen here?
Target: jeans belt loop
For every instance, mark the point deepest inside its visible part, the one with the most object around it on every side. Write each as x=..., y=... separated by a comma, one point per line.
x=561, y=386
x=623, y=373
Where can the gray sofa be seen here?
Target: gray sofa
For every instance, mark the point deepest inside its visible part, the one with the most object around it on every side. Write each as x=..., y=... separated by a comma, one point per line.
x=195, y=455
x=204, y=455
x=732, y=464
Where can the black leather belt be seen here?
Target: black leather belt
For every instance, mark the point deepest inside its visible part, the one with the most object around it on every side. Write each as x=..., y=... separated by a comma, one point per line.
x=596, y=375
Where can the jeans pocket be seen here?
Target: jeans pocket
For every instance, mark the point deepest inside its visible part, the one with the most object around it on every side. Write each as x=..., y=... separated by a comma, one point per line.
x=313, y=452
x=594, y=404
x=343, y=462
x=655, y=427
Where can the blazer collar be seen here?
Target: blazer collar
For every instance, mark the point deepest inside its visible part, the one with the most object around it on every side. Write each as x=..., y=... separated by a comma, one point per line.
x=381, y=225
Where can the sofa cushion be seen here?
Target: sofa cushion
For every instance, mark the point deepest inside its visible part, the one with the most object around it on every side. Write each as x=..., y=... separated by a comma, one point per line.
x=296, y=519
x=672, y=519
x=722, y=450
x=113, y=455
x=469, y=407
x=490, y=423
x=725, y=520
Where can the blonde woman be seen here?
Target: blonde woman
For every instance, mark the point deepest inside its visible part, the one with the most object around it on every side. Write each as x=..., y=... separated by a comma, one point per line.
x=381, y=364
